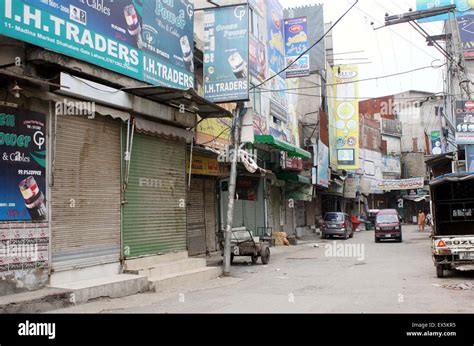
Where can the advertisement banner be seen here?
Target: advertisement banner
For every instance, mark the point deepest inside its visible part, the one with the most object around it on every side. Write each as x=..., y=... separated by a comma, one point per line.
x=463, y=7
x=466, y=31
x=470, y=158
x=436, y=148
x=22, y=165
x=323, y=165
x=151, y=41
x=346, y=107
x=257, y=59
x=331, y=117
x=226, y=54
x=464, y=122
x=296, y=42
x=401, y=184
x=391, y=165
x=275, y=32
x=204, y=165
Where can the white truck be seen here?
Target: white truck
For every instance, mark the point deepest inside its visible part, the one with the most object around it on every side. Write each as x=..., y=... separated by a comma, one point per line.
x=452, y=198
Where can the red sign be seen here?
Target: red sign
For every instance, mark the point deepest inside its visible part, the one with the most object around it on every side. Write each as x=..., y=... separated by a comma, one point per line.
x=293, y=164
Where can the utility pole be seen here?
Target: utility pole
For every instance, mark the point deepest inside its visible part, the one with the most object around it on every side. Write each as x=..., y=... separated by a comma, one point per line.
x=232, y=186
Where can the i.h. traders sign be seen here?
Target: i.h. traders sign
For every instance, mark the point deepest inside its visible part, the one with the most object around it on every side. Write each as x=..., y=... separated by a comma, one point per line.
x=150, y=40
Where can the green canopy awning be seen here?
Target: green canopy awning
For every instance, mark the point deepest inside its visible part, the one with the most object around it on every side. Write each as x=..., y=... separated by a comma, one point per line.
x=292, y=150
x=294, y=177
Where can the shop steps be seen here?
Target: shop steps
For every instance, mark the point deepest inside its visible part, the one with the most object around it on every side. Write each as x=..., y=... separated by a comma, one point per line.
x=116, y=286
x=137, y=264
x=169, y=268
x=34, y=302
x=165, y=282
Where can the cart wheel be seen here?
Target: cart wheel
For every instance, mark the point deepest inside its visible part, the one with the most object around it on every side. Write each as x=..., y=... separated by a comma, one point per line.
x=254, y=259
x=265, y=256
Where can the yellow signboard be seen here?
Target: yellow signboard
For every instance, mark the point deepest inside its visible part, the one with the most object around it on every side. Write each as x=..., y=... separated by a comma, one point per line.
x=204, y=165
x=346, y=107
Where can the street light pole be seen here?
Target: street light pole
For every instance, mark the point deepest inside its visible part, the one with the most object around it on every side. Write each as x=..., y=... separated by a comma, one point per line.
x=232, y=187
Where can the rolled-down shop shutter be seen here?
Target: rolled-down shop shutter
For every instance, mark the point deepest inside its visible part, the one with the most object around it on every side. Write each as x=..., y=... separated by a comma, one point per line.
x=154, y=213
x=210, y=214
x=196, y=220
x=86, y=192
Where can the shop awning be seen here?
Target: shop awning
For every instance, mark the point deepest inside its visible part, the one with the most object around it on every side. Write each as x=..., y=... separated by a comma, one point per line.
x=154, y=128
x=292, y=150
x=293, y=177
x=177, y=98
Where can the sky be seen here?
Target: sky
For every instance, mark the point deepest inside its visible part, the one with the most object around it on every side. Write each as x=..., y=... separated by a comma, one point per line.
x=389, y=50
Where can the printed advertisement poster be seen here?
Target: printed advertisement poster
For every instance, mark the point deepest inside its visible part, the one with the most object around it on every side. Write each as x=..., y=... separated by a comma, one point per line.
x=436, y=148
x=464, y=122
x=296, y=42
x=226, y=54
x=151, y=41
x=22, y=165
x=392, y=165
x=401, y=184
x=466, y=31
x=257, y=59
x=276, y=42
x=323, y=165
x=463, y=7
x=346, y=107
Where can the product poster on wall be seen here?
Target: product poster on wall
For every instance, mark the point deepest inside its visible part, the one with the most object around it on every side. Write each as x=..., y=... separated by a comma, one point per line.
x=22, y=165
x=226, y=54
x=296, y=43
x=148, y=40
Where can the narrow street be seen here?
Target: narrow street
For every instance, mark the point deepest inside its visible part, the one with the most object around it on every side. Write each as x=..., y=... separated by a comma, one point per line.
x=392, y=277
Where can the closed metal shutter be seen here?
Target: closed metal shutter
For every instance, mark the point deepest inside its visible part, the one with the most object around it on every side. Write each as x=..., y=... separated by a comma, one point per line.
x=154, y=213
x=210, y=211
x=85, y=196
x=196, y=220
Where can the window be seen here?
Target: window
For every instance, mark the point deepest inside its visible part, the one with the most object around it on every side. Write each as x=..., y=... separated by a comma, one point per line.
x=256, y=99
x=253, y=18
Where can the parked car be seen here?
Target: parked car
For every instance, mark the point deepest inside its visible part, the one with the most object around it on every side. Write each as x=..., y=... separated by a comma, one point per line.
x=388, y=225
x=337, y=224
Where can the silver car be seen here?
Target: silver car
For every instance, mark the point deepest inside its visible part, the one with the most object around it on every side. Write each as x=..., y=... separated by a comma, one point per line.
x=337, y=224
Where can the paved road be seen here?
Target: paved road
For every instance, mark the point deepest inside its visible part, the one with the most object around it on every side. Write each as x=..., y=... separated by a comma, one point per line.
x=389, y=277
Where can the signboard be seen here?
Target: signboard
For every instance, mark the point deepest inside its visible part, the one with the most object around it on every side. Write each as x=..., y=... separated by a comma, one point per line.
x=226, y=54
x=22, y=165
x=391, y=165
x=464, y=122
x=247, y=188
x=401, y=184
x=346, y=106
x=466, y=31
x=296, y=42
x=151, y=41
x=463, y=7
x=470, y=158
x=204, y=165
x=291, y=163
x=323, y=165
x=436, y=142
x=275, y=34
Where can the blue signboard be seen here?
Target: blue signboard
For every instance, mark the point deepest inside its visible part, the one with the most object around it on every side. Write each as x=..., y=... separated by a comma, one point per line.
x=470, y=158
x=151, y=41
x=22, y=165
x=466, y=31
x=226, y=54
x=463, y=7
x=296, y=42
x=276, y=42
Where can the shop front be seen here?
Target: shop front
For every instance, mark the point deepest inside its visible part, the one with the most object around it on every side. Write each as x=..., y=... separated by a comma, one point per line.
x=201, y=211
x=154, y=200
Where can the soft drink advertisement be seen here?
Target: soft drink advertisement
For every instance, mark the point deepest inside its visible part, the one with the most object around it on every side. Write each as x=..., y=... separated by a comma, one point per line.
x=22, y=165
x=226, y=54
x=296, y=42
x=276, y=42
x=151, y=41
x=466, y=31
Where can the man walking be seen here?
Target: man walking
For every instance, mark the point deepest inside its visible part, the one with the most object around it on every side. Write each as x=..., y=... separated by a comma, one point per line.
x=421, y=221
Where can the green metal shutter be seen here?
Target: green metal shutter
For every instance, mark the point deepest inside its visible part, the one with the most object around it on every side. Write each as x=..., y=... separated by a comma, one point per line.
x=154, y=212
x=196, y=224
x=85, y=196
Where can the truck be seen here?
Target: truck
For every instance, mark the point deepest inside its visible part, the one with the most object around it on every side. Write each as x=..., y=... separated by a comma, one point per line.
x=452, y=207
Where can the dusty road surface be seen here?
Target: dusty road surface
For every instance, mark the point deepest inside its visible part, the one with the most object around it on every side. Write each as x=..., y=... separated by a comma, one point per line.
x=309, y=278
